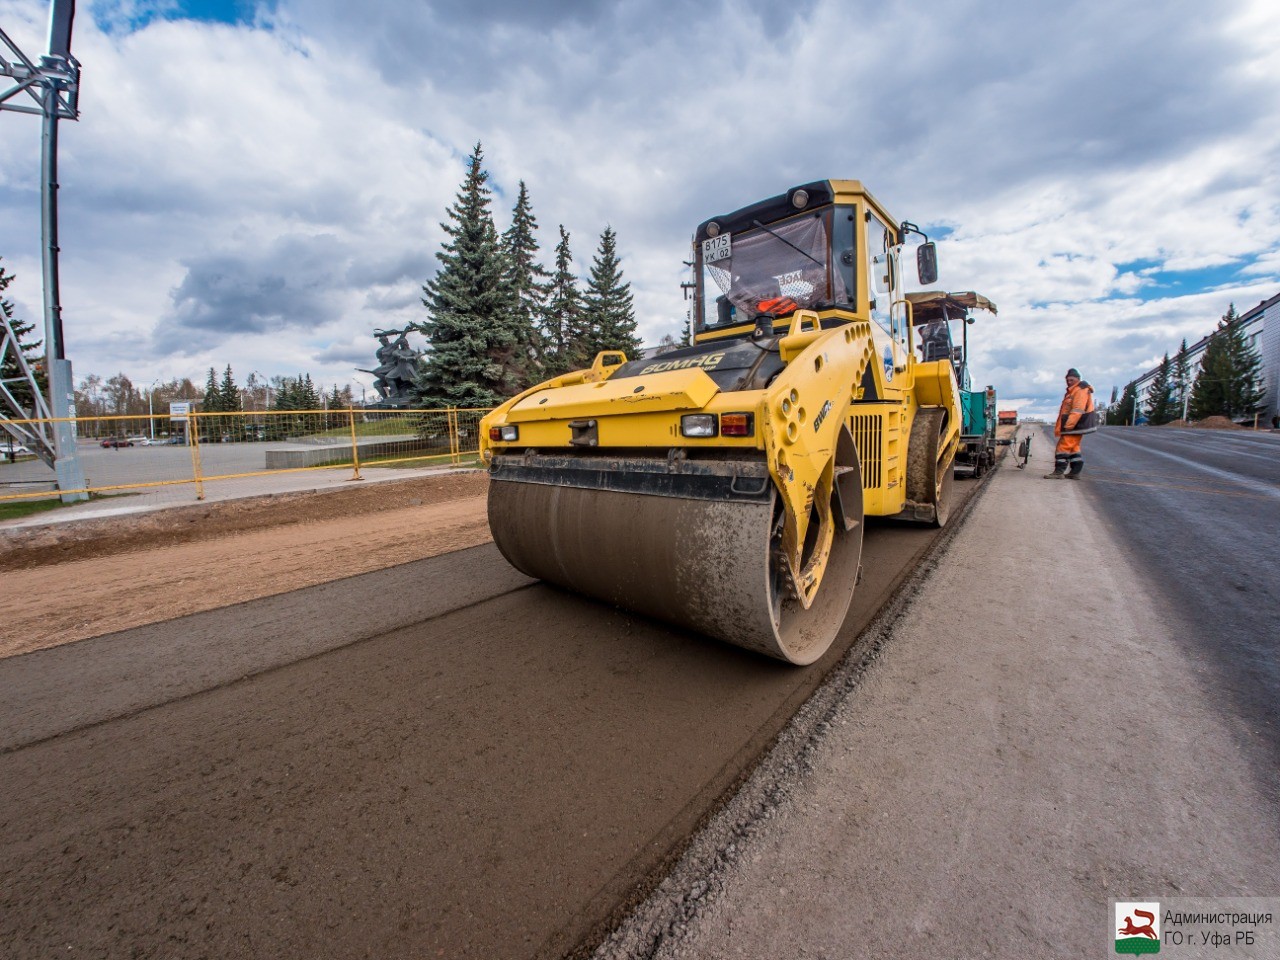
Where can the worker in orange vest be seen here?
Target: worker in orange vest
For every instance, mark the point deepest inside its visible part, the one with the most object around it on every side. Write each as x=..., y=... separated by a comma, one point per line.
x=1076, y=417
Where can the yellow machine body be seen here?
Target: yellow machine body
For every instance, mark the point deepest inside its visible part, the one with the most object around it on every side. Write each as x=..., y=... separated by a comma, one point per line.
x=765, y=442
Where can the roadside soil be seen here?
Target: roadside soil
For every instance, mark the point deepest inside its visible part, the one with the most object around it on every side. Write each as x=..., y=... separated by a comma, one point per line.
x=70, y=581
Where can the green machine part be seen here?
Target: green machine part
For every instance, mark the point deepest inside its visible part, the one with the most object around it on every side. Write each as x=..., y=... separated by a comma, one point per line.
x=974, y=413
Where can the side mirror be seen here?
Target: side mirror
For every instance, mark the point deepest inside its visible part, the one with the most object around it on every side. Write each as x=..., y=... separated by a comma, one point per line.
x=927, y=262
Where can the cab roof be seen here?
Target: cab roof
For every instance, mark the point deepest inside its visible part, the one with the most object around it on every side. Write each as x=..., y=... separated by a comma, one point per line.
x=929, y=305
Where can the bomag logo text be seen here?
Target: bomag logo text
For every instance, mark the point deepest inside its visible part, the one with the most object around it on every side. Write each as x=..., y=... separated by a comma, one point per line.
x=708, y=361
x=822, y=415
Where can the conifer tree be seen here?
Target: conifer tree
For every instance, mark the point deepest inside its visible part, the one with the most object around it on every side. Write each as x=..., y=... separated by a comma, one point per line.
x=1228, y=383
x=308, y=398
x=1247, y=388
x=609, y=316
x=9, y=369
x=475, y=357
x=212, y=394
x=686, y=334
x=1181, y=379
x=529, y=285
x=1121, y=413
x=562, y=316
x=1161, y=405
x=229, y=392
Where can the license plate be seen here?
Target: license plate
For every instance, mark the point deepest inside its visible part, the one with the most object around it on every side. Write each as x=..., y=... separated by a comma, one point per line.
x=717, y=248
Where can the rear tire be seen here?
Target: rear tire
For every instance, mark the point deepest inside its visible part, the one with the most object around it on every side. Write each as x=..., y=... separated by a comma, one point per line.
x=930, y=468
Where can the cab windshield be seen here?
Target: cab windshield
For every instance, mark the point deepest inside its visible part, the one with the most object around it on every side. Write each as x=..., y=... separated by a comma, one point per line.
x=773, y=269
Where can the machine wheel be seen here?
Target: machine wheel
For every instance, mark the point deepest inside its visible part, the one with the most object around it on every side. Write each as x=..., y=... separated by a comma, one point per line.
x=708, y=565
x=929, y=478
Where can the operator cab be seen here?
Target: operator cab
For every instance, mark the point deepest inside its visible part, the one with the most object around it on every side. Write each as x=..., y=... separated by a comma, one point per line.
x=773, y=258
x=797, y=251
x=932, y=313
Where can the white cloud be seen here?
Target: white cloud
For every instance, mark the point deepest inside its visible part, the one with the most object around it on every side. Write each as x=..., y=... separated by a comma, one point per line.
x=1077, y=152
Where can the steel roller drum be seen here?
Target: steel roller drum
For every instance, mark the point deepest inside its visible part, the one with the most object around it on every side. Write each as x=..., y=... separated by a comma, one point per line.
x=701, y=564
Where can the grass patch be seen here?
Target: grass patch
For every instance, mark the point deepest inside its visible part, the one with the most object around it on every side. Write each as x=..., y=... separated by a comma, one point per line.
x=388, y=427
x=16, y=509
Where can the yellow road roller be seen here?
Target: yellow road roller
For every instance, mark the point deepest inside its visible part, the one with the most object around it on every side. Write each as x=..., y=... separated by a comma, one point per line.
x=723, y=486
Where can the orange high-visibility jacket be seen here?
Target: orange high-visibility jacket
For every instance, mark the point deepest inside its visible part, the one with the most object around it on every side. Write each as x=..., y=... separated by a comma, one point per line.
x=1077, y=414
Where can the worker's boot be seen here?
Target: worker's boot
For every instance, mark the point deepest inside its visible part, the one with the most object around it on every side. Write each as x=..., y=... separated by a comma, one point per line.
x=1059, y=469
x=1077, y=468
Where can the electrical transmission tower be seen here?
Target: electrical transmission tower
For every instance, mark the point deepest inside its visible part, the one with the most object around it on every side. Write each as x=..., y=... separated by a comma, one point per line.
x=53, y=85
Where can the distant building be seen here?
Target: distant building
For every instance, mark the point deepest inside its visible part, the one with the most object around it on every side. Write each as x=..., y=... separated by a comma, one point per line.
x=1262, y=327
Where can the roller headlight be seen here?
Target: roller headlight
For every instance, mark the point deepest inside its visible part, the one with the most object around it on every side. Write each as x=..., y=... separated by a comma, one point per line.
x=698, y=425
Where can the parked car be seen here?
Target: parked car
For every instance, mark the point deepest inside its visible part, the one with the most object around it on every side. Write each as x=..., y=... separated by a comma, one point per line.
x=117, y=442
x=16, y=451
x=141, y=441
x=177, y=440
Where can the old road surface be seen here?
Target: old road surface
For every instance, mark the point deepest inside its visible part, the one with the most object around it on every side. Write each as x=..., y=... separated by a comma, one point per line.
x=1104, y=728
x=442, y=758
x=1199, y=511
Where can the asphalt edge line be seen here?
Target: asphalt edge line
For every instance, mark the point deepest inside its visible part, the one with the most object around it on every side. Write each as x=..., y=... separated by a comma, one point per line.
x=672, y=900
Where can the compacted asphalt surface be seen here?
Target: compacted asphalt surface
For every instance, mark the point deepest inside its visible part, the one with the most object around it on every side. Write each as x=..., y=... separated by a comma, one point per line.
x=438, y=759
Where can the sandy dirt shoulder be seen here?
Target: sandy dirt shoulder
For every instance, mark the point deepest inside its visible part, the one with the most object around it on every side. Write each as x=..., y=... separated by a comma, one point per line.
x=71, y=581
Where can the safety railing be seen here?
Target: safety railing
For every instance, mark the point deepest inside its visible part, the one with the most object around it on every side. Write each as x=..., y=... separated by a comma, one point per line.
x=120, y=454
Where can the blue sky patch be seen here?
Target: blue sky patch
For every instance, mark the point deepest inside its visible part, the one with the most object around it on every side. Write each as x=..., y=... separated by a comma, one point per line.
x=1161, y=284
x=116, y=17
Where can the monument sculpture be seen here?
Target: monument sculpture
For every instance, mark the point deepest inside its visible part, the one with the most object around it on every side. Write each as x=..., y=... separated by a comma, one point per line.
x=396, y=369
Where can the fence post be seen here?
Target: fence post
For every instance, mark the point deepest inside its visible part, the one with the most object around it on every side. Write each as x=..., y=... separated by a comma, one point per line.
x=193, y=441
x=355, y=447
x=453, y=435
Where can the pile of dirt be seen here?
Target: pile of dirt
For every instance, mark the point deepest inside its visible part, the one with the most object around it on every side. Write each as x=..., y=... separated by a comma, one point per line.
x=27, y=547
x=1209, y=423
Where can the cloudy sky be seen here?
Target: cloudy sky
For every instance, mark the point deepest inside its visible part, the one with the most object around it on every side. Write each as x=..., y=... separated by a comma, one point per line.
x=262, y=184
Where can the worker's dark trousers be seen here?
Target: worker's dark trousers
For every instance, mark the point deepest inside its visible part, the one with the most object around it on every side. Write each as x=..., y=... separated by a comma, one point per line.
x=1071, y=464
x=1067, y=457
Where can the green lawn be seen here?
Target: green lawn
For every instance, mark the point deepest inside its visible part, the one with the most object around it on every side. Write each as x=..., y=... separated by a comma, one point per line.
x=16, y=509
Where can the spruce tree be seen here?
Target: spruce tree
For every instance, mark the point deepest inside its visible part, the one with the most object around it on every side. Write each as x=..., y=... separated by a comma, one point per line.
x=1161, y=405
x=475, y=357
x=229, y=392
x=529, y=285
x=1121, y=413
x=609, y=316
x=1228, y=382
x=308, y=397
x=1245, y=390
x=562, y=315
x=212, y=394
x=9, y=369
x=686, y=334
x=1181, y=378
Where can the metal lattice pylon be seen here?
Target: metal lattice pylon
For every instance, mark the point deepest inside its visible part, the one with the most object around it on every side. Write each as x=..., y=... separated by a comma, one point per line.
x=53, y=86
x=37, y=436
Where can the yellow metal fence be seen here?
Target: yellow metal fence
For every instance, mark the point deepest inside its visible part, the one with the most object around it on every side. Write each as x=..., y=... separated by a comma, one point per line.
x=130, y=453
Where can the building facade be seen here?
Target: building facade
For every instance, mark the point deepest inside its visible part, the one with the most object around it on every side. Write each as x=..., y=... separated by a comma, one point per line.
x=1262, y=328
